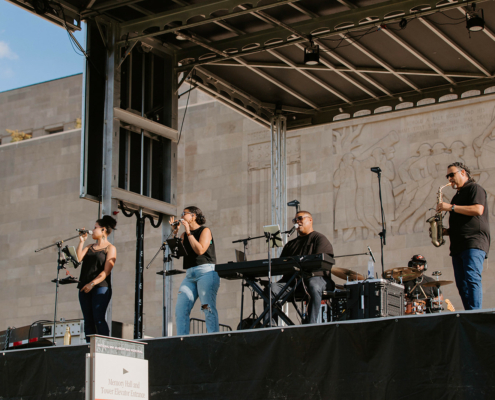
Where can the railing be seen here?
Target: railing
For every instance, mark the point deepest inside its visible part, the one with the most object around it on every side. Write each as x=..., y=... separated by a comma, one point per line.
x=197, y=326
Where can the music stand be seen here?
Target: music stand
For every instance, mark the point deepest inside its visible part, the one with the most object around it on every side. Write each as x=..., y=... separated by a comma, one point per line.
x=273, y=238
x=240, y=256
x=176, y=247
x=71, y=254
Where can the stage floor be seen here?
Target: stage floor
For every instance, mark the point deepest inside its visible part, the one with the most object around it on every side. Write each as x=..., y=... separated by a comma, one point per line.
x=444, y=356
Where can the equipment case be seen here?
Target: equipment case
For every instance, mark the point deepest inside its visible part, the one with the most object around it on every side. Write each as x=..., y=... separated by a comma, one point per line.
x=374, y=298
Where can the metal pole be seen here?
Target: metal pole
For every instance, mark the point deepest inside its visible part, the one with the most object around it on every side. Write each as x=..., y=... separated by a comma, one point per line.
x=274, y=168
x=110, y=146
x=167, y=286
x=142, y=115
x=283, y=176
x=138, y=299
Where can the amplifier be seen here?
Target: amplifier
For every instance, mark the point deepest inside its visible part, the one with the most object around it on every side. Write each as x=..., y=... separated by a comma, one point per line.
x=374, y=298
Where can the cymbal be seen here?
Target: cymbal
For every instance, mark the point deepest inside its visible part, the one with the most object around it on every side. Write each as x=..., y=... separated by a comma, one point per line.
x=437, y=283
x=347, y=274
x=406, y=273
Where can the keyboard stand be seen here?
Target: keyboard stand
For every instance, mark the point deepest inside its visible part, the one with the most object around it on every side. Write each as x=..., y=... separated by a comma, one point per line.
x=277, y=301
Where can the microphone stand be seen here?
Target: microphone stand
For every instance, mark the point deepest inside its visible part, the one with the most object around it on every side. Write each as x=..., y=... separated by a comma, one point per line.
x=383, y=233
x=243, y=284
x=60, y=265
x=167, y=258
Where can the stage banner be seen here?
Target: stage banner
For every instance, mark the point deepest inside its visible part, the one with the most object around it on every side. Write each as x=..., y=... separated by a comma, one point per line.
x=116, y=370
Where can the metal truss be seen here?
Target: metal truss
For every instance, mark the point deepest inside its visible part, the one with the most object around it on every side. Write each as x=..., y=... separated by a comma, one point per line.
x=327, y=66
x=358, y=70
x=378, y=60
x=322, y=27
x=328, y=114
x=417, y=54
x=455, y=46
x=184, y=14
x=311, y=76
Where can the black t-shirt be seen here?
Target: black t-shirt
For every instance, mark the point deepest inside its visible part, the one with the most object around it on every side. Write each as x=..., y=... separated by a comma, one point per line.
x=468, y=232
x=429, y=291
x=314, y=243
x=192, y=259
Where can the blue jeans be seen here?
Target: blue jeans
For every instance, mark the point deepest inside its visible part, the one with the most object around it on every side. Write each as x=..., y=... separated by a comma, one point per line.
x=94, y=307
x=201, y=281
x=315, y=285
x=468, y=266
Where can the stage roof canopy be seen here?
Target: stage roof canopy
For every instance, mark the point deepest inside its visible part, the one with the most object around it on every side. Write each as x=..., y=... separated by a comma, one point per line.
x=374, y=56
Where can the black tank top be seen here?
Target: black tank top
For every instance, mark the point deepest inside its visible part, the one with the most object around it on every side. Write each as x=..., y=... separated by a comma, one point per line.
x=93, y=265
x=192, y=259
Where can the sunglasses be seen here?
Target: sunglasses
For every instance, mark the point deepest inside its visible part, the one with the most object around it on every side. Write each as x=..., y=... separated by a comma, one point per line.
x=300, y=218
x=185, y=212
x=451, y=175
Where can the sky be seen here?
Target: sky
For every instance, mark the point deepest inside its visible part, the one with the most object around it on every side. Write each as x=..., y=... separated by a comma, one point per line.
x=33, y=50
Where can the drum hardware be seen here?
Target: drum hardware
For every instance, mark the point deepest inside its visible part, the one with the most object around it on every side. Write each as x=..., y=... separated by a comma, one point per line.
x=437, y=284
x=415, y=307
x=347, y=274
x=402, y=274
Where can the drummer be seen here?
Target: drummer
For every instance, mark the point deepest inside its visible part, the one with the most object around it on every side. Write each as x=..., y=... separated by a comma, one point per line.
x=414, y=288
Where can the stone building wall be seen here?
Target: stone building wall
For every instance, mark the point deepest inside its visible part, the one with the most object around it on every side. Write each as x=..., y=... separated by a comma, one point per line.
x=224, y=162
x=40, y=109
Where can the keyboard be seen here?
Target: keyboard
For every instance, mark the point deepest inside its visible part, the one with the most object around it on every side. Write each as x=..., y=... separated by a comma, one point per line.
x=280, y=266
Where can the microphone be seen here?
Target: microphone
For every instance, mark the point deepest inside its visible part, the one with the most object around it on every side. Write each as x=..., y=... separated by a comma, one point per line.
x=175, y=223
x=293, y=229
x=84, y=231
x=376, y=170
x=371, y=254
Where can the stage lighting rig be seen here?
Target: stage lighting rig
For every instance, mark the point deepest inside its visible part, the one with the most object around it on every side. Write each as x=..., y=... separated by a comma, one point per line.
x=41, y=7
x=475, y=23
x=312, y=53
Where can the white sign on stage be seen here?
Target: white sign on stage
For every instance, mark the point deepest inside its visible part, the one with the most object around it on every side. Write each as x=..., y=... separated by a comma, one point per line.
x=116, y=370
x=120, y=378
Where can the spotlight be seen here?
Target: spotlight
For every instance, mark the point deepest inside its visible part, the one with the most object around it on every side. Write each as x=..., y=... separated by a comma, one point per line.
x=312, y=54
x=41, y=7
x=403, y=23
x=180, y=37
x=475, y=23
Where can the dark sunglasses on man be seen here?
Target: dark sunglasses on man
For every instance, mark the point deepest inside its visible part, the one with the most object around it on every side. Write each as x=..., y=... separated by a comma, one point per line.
x=451, y=175
x=299, y=219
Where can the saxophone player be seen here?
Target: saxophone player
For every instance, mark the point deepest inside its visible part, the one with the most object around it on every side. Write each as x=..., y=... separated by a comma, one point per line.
x=469, y=233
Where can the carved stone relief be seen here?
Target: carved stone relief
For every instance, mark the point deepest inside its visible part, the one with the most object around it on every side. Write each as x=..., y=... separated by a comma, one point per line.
x=410, y=184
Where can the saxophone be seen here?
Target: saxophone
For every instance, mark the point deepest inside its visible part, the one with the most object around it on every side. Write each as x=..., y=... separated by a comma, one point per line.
x=436, y=221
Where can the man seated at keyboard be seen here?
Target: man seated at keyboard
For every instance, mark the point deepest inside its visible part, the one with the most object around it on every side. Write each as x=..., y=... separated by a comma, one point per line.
x=308, y=242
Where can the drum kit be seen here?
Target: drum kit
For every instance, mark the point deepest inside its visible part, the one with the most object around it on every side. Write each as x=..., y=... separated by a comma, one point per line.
x=416, y=304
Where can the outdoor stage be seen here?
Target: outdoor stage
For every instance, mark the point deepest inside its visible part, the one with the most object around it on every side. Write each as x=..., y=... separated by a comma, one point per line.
x=449, y=355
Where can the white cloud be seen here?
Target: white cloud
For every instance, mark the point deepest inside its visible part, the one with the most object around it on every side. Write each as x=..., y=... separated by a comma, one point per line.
x=6, y=51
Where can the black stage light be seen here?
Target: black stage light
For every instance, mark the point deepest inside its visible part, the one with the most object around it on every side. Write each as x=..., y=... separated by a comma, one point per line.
x=41, y=7
x=312, y=54
x=475, y=23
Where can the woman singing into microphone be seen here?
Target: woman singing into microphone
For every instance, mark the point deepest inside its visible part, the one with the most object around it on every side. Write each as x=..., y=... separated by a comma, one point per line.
x=94, y=283
x=201, y=279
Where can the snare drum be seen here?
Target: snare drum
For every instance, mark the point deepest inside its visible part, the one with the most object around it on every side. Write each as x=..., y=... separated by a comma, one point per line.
x=415, y=307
